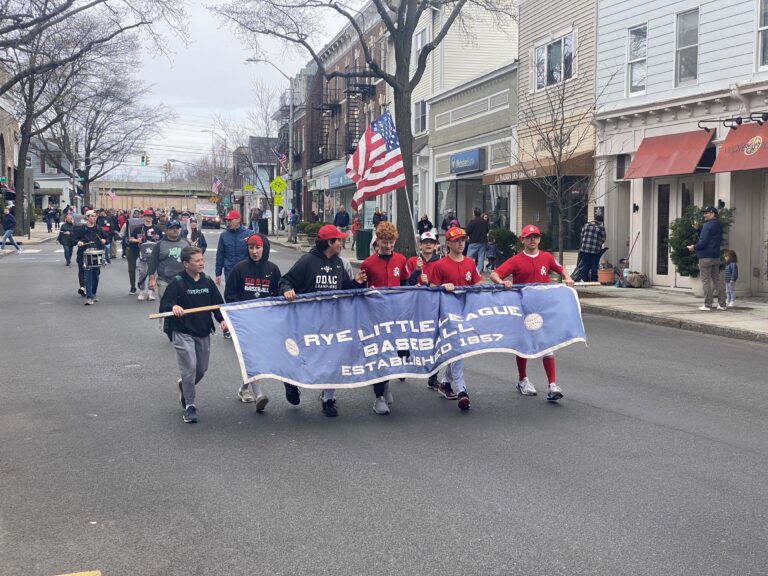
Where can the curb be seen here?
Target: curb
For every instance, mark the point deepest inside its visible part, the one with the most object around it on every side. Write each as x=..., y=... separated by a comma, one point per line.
x=726, y=332
x=27, y=243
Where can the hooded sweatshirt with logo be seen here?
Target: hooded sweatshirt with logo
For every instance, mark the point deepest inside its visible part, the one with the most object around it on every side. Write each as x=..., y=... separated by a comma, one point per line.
x=250, y=280
x=315, y=272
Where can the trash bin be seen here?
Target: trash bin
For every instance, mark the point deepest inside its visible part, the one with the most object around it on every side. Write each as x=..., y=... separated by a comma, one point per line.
x=263, y=226
x=363, y=244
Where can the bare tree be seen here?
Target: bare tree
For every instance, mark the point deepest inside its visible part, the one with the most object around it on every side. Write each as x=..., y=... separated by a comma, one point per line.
x=101, y=125
x=300, y=23
x=24, y=21
x=555, y=140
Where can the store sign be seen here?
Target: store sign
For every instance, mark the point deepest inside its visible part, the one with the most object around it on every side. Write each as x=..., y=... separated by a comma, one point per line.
x=338, y=178
x=514, y=176
x=468, y=161
x=312, y=184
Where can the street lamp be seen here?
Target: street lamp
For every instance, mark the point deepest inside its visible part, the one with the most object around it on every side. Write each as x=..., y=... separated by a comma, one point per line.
x=290, y=119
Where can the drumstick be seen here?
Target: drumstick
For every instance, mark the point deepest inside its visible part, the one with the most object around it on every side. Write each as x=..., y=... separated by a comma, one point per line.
x=187, y=311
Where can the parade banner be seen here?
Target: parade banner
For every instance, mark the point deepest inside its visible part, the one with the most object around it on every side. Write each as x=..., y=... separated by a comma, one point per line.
x=352, y=338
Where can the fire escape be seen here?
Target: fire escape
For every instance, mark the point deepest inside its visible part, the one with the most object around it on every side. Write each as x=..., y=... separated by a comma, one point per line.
x=357, y=91
x=328, y=108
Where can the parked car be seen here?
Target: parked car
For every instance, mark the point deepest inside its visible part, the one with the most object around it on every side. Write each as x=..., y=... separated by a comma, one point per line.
x=209, y=218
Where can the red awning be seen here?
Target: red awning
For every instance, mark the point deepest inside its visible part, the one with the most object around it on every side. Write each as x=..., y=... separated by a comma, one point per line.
x=745, y=148
x=670, y=154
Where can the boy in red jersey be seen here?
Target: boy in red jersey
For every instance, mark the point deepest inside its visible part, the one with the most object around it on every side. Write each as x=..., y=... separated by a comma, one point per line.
x=532, y=266
x=453, y=270
x=385, y=267
x=418, y=270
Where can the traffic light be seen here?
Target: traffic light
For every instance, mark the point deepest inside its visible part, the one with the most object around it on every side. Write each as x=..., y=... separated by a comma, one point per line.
x=167, y=168
x=144, y=159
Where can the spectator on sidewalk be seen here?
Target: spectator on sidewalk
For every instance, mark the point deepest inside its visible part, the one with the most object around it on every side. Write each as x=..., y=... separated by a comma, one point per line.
x=477, y=230
x=341, y=221
x=707, y=249
x=424, y=225
x=592, y=240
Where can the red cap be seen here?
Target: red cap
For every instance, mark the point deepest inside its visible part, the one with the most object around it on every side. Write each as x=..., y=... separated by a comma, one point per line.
x=329, y=232
x=455, y=233
x=529, y=230
x=148, y=213
x=232, y=214
x=255, y=240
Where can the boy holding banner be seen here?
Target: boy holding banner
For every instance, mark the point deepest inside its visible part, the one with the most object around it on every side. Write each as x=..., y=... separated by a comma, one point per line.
x=319, y=270
x=453, y=270
x=385, y=267
x=250, y=279
x=532, y=266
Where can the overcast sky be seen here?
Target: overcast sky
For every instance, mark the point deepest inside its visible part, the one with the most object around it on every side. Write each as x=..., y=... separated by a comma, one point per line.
x=208, y=77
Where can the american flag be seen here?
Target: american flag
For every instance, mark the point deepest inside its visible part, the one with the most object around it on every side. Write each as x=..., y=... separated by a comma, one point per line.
x=281, y=158
x=216, y=186
x=377, y=164
x=111, y=193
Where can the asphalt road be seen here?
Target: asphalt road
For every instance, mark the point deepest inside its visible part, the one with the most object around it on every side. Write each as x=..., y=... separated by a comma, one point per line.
x=654, y=463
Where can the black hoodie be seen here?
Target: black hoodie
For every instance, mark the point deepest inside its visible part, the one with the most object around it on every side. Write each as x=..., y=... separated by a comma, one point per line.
x=314, y=272
x=250, y=280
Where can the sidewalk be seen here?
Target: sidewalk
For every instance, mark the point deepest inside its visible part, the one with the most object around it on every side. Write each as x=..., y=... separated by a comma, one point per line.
x=748, y=320
x=37, y=236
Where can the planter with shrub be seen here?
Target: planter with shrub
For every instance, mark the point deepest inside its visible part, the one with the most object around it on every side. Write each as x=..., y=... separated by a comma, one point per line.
x=682, y=234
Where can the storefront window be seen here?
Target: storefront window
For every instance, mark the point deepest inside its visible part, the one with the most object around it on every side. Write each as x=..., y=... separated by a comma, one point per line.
x=446, y=200
x=574, y=217
x=496, y=205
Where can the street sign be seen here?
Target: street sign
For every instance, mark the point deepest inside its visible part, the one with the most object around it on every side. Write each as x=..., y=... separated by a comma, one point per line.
x=225, y=202
x=3, y=179
x=249, y=188
x=80, y=179
x=278, y=185
x=214, y=199
x=278, y=199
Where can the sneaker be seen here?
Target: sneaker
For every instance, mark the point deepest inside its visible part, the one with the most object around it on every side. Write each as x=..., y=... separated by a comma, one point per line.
x=292, y=394
x=95, y=299
x=190, y=414
x=151, y=295
x=19, y=251
x=81, y=291
x=463, y=401
x=554, y=394
x=525, y=387
x=719, y=307
x=446, y=391
x=432, y=382
x=227, y=335
x=380, y=406
x=142, y=296
x=132, y=292
x=731, y=304
x=329, y=408
x=388, y=396
x=704, y=308
x=245, y=394
x=181, y=395
x=89, y=302
x=261, y=402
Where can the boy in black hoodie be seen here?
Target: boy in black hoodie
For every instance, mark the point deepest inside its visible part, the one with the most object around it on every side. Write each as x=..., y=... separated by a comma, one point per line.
x=254, y=278
x=320, y=270
x=191, y=334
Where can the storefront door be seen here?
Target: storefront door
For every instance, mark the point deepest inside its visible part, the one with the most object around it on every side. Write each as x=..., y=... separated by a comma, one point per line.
x=671, y=197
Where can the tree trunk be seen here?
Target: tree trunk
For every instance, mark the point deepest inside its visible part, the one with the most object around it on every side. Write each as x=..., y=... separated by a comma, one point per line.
x=405, y=224
x=560, y=241
x=24, y=200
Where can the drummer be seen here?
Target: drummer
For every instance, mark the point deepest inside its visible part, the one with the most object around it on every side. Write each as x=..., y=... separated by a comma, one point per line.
x=90, y=237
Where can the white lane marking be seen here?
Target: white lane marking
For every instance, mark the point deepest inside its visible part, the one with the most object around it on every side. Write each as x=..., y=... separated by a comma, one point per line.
x=30, y=250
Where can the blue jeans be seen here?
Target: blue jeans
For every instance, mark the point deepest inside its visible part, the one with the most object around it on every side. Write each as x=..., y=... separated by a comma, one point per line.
x=92, y=281
x=590, y=262
x=8, y=236
x=476, y=251
x=67, y=253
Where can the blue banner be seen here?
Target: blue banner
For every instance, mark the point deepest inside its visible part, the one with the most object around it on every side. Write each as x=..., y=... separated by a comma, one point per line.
x=352, y=338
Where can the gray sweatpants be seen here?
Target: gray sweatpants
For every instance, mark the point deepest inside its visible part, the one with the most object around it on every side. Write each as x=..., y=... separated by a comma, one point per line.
x=192, y=354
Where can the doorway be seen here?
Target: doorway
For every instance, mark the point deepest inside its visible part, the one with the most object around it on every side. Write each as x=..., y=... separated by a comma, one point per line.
x=671, y=197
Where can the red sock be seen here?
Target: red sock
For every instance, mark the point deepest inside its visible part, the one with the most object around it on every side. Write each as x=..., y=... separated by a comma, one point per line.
x=549, y=368
x=522, y=364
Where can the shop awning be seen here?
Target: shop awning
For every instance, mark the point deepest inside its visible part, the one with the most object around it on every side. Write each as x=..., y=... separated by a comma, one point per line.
x=745, y=148
x=669, y=155
x=577, y=165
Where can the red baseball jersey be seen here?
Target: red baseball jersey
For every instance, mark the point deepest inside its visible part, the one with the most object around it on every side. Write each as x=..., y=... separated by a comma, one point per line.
x=385, y=271
x=410, y=266
x=448, y=271
x=527, y=269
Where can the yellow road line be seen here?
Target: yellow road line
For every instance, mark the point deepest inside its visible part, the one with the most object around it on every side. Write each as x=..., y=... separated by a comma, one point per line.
x=91, y=573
